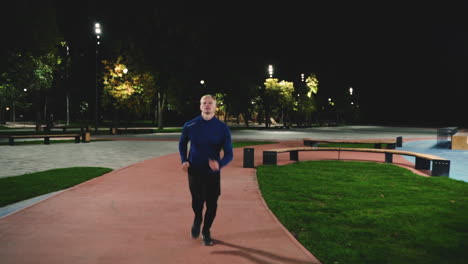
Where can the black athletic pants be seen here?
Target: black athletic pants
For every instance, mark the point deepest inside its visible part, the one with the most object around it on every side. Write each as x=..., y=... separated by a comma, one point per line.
x=205, y=189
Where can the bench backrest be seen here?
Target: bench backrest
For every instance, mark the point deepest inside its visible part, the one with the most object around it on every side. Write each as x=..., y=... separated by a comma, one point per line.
x=354, y=141
x=393, y=151
x=42, y=136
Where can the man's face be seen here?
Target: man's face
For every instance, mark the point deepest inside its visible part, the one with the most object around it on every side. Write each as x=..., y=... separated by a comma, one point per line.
x=208, y=105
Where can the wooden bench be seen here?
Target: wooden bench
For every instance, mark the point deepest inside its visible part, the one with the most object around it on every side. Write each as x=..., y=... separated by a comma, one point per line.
x=391, y=143
x=64, y=128
x=11, y=138
x=440, y=166
x=135, y=130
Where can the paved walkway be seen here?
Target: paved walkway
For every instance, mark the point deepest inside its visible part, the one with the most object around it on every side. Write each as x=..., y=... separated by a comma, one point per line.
x=140, y=213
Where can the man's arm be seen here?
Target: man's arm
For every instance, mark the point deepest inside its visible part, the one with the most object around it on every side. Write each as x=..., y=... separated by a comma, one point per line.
x=183, y=141
x=227, y=149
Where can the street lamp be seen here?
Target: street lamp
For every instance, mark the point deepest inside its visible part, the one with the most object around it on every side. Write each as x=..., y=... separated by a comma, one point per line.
x=203, y=85
x=270, y=70
x=66, y=75
x=98, y=31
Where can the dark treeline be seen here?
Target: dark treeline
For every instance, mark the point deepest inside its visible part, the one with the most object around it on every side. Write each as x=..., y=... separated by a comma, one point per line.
x=407, y=65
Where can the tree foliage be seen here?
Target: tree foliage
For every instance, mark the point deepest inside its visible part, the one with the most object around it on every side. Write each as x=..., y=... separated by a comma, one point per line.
x=305, y=103
x=127, y=89
x=288, y=102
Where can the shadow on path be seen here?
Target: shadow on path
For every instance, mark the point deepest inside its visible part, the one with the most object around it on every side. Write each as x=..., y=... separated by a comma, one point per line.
x=256, y=255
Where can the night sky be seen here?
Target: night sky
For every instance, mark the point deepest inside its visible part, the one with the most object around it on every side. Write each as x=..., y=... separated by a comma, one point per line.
x=407, y=63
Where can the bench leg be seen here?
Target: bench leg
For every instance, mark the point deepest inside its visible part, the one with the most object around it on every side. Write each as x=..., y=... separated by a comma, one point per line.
x=11, y=141
x=422, y=164
x=388, y=157
x=399, y=142
x=294, y=155
x=77, y=139
x=440, y=168
x=47, y=140
x=269, y=158
x=249, y=157
x=309, y=143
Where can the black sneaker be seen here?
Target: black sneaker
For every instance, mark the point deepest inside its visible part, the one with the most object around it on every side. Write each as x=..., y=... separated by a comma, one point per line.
x=206, y=238
x=195, y=231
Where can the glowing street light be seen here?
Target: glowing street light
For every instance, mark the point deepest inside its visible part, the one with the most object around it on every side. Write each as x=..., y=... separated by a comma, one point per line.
x=98, y=31
x=270, y=70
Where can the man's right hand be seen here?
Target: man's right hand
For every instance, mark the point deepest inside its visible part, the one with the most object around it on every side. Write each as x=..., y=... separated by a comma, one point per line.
x=185, y=166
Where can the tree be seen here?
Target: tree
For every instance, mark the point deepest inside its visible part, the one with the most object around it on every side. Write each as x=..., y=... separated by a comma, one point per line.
x=221, y=106
x=277, y=98
x=30, y=55
x=127, y=90
x=8, y=96
x=172, y=49
x=33, y=73
x=286, y=101
x=165, y=40
x=305, y=103
x=240, y=94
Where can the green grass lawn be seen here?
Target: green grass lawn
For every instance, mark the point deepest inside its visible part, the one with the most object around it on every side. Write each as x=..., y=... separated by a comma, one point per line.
x=19, y=188
x=364, y=212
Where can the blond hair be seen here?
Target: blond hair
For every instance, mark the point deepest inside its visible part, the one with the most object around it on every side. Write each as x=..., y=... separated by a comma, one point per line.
x=208, y=95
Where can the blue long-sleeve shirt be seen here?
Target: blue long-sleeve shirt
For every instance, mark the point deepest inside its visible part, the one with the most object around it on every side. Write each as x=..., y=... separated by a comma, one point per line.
x=207, y=138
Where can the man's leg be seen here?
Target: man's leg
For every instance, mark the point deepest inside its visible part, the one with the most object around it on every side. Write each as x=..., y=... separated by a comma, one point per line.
x=196, y=190
x=212, y=193
x=210, y=214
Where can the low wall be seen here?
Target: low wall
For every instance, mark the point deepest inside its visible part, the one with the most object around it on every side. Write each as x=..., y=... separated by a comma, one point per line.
x=460, y=141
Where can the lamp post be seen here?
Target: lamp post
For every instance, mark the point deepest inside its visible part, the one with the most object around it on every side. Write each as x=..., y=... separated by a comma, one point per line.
x=98, y=31
x=270, y=70
x=203, y=86
x=66, y=83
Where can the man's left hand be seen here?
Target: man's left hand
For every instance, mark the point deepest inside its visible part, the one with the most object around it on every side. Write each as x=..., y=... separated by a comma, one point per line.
x=214, y=165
